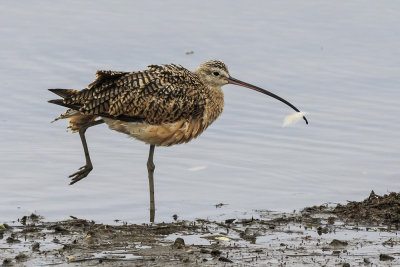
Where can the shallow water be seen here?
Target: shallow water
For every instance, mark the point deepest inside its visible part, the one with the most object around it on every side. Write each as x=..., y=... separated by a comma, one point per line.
x=339, y=63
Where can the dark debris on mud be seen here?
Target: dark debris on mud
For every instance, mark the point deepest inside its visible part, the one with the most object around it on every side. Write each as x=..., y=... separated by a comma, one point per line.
x=373, y=210
x=318, y=235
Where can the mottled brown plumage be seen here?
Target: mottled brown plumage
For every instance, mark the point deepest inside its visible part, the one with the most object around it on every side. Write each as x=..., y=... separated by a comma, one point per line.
x=168, y=97
x=162, y=105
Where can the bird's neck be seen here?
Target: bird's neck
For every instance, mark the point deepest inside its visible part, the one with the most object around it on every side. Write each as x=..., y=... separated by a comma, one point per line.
x=215, y=104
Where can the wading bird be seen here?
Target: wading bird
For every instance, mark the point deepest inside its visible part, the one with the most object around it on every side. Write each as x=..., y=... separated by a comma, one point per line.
x=162, y=106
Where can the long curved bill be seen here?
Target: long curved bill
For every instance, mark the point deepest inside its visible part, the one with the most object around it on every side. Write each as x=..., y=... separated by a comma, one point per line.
x=258, y=89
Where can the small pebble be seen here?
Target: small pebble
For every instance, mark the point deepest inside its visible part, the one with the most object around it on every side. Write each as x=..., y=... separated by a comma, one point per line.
x=229, y=221
x=34, y=217
x=203, y=250
x=385, y=257
x=36, y=246
x=223, y=259
x=21, y=257
x=7, y=262
x=179, y=243
x=11, y=240
x=215, y=253
x=59, y=229
x=338, y=243
x=23, y=220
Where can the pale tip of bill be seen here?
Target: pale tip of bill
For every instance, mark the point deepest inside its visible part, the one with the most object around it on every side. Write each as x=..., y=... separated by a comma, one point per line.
x=293, y=118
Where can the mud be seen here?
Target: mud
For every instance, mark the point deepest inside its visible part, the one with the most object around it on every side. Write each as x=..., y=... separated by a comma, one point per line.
x=356, y=234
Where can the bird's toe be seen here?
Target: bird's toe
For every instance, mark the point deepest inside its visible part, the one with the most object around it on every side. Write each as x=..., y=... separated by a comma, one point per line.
x=80, y=174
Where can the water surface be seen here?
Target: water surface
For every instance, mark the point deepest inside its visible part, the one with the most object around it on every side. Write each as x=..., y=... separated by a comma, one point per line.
x=337, y=61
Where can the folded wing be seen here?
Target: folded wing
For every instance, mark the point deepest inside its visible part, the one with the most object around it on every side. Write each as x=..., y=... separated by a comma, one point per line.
x=160, y=94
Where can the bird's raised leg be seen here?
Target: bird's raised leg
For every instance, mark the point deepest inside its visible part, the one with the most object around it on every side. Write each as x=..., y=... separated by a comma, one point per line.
x=84, y=170
x=150, y=169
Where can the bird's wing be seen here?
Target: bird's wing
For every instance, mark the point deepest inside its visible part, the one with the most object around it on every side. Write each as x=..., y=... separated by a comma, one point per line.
x=160, y=94
x=103, y=76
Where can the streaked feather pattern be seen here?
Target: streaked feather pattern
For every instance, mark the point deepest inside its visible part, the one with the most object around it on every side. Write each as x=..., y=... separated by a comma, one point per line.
x=169, y=97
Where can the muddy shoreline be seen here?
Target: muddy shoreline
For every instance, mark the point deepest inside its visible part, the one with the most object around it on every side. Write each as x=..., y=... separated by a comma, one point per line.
x=359, y=233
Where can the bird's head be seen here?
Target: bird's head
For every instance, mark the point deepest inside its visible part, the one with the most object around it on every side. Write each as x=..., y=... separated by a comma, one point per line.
x=214, y=74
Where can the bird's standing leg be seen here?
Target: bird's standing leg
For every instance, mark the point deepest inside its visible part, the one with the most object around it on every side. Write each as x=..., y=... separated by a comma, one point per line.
x=150, y=169
x=84, y=170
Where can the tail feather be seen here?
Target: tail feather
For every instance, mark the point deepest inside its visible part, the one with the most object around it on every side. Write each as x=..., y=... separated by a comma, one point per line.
x=75, y=119
x=63, y=92
x=61, y=103
x=57, y=102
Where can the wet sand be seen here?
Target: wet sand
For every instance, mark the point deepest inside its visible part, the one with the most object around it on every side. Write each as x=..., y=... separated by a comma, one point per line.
x=356, y=234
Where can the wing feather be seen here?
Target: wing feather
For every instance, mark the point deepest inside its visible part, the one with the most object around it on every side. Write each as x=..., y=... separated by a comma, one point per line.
x=160, y=94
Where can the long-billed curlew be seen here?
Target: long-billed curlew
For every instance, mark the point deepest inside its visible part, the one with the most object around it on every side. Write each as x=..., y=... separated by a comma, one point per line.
x=161, y=106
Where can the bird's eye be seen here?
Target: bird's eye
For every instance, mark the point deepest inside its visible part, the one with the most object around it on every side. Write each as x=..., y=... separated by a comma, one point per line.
x=216, y=73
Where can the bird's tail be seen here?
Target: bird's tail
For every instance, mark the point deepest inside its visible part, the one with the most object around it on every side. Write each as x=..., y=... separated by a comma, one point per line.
x=75, y=118
x=64, y=93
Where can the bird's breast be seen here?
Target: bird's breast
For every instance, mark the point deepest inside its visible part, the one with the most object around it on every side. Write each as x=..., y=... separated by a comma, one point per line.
x=166, y=134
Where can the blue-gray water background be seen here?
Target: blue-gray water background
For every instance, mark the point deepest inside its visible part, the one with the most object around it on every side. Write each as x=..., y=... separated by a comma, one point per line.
x=339, y=61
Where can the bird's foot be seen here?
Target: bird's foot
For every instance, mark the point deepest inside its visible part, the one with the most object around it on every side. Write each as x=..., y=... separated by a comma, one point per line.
x=81, y=173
